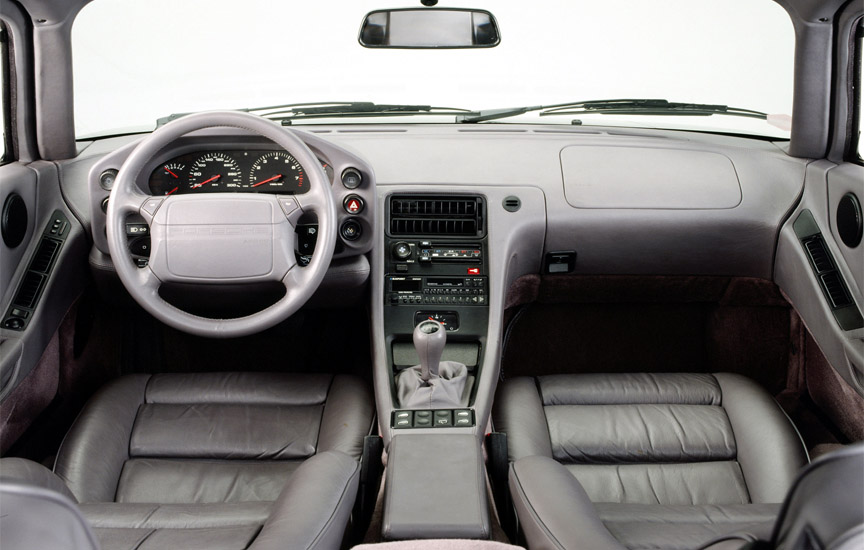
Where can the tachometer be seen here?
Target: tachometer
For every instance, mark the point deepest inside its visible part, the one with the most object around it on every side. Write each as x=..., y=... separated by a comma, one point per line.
x=277, y=172
x=214, y=172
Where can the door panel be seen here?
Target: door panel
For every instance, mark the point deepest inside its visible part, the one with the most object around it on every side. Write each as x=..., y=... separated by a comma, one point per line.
x=847, y=178
x=19, y=180
x=824, y=184
x=25, y=390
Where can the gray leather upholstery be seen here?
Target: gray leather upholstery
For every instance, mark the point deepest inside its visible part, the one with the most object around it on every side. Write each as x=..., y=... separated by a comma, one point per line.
x=449, y=388
x=433, y=384
x=669, y=460
x=32, y=473
x=825, y=508
x=553, y=508
x=215, y=460
x=435, y=488
x=27, y=509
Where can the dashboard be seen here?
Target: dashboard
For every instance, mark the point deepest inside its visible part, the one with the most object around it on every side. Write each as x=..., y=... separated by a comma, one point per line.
x=226, y=171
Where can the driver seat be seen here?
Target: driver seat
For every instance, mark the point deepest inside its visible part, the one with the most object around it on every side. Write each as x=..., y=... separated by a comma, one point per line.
x=218, y=461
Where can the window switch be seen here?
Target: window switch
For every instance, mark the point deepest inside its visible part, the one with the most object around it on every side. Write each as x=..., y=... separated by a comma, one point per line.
x=463, y=418
x=16, y=312
x=403, y=419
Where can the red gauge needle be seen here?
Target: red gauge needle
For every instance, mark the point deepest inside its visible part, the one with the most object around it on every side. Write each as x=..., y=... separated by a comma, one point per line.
x=172, y=173
x=197, y=185
x=171, y=191
x=268, y=180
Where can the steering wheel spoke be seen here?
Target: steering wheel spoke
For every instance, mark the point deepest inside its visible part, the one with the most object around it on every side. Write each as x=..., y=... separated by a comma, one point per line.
x=148, y=206
x=147, y=280
x=292, y=209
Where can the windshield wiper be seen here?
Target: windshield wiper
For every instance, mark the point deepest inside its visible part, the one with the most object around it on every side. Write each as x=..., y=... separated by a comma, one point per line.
x=332, y=109
x=299, y=111
x=659, y=107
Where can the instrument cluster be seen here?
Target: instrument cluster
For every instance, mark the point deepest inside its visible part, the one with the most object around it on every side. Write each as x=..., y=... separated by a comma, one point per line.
x=244, y=171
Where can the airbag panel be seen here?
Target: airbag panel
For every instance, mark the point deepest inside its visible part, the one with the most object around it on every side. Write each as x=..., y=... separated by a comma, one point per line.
x=644, y=178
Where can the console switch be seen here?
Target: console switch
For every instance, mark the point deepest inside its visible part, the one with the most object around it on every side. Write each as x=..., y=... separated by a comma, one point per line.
x=438, y=418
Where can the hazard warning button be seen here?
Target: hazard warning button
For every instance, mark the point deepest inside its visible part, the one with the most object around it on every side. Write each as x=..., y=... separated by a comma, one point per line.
x=353, y=204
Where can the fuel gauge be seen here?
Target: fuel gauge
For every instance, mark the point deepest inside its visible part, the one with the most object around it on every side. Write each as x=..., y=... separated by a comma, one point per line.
x=328, y=170
x=167, y=179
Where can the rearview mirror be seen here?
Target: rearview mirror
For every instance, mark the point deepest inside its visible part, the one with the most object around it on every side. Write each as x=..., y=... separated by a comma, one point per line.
x=429, y=28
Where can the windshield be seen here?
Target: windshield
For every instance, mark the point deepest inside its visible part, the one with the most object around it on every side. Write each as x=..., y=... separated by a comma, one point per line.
x=136, y=61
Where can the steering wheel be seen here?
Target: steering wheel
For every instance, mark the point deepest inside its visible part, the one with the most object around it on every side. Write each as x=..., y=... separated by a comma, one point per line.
x=218, y=238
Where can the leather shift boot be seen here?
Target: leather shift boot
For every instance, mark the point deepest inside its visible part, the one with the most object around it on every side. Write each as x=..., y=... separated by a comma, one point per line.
x=450, y=389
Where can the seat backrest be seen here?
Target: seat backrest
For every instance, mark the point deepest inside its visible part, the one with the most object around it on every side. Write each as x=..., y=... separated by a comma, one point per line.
x=208, y=438
x=36, y=517
x=825, y=508
x=671, y=439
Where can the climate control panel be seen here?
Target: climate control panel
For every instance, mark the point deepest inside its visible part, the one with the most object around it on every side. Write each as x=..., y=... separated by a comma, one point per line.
x=429, y=252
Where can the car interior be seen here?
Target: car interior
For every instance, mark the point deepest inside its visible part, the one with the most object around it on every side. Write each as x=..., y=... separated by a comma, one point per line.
x=591, y=325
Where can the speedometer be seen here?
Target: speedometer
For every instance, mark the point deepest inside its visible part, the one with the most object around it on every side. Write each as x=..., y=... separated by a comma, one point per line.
x=277, y=172
x=214, y=172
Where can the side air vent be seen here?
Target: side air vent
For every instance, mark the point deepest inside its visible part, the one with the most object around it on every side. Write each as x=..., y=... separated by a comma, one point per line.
x=825, y=270
x=35, y=279
x=45, y=255
x=31, y=286
x=819, y=255
x=836, y=290
x=440, y=216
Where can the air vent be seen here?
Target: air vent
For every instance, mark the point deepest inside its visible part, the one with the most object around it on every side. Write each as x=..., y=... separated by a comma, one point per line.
x=818, y=255
x=453, y=216
x=23, y=308
x=824, y=268
x=836, y=290
x=29, y=291
x=45, y=255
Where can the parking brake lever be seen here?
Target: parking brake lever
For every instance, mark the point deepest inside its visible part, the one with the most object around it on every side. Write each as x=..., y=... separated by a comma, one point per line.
x=429, y=340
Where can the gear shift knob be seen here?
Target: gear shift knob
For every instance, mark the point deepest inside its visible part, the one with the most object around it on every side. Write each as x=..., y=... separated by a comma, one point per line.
x=429, y=339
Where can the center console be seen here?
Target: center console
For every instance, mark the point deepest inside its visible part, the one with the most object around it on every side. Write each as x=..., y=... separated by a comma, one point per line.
x=436, y=268
x=444, y=257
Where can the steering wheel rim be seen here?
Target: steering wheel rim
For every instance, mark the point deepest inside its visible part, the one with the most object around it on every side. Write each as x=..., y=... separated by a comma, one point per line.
x=192, y=225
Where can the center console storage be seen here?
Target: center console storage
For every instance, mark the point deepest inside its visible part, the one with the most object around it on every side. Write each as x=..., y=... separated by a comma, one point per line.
x=435, y=488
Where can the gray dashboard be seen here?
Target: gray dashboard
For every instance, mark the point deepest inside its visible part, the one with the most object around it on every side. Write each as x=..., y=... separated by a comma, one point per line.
x=628, y=202
x=678, y=235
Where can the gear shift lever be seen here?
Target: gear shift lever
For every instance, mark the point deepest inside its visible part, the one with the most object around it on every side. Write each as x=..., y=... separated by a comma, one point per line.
x=433, y=383
x=429, y=340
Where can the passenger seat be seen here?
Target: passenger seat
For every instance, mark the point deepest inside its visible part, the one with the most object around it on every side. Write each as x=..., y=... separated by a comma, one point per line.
x=668, y=460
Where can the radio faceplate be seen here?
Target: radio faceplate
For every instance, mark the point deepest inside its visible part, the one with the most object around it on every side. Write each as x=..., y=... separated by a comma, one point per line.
x=432, y=290
x=428, y=252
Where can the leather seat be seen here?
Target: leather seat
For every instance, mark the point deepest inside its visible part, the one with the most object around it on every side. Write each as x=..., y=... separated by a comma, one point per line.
x=218, y=460
x=644, y=460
